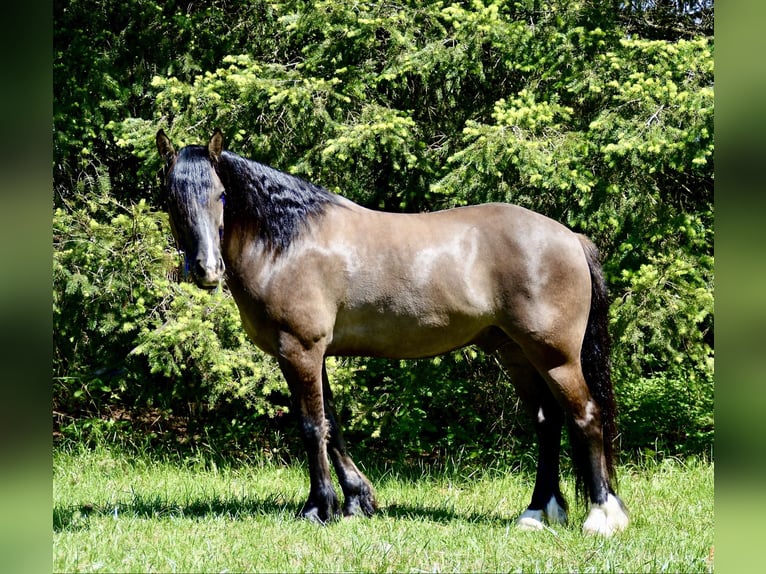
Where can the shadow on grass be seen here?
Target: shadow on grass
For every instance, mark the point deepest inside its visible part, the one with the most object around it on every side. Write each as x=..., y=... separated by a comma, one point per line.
x=70, y=518
x=77, y=516
x=444, y=516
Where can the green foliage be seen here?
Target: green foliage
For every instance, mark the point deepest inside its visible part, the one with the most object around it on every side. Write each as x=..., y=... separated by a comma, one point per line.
x=106, y=52
x=665, y=373
x=195, y=340
x=430, y=409
x=127, y=336
x=406, y=107
x=110, y=269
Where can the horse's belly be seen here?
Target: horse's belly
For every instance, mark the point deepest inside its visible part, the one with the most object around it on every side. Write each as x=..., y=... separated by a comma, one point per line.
x=423, y=305
x=404, y=336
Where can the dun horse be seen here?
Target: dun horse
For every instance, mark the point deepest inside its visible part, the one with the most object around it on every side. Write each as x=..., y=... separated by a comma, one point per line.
x=314, y=274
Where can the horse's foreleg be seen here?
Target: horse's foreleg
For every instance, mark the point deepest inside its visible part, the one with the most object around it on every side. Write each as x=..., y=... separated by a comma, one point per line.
x=357, y=490
x=303, y=373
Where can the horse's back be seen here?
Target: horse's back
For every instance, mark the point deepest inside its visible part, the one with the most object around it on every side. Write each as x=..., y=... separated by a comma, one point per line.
x=423, y=284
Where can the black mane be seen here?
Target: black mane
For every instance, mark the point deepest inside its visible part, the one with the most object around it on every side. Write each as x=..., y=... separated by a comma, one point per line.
x=189, y=174
x=277, y=204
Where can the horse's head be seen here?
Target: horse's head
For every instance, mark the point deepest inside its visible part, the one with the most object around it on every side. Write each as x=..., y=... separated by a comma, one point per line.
x=195, y=197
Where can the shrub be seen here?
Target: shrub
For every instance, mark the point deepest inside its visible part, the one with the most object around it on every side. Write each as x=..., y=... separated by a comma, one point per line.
x=409, y=108
x=129, y=339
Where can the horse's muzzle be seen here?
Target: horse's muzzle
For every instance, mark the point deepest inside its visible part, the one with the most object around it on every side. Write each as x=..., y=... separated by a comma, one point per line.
x=208, y=276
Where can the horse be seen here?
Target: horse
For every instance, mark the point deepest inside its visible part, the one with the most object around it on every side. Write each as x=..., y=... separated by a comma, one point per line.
x=315, y=275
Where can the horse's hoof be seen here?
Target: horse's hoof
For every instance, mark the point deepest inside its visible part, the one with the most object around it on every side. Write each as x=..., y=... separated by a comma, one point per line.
x=606, y=519
x=312, y=514
x=359, y=506
x=353, y=510
x=553, y=513
x=531, y=520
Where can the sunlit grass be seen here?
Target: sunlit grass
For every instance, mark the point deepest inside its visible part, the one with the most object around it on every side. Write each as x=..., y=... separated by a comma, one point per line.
x=115, y=513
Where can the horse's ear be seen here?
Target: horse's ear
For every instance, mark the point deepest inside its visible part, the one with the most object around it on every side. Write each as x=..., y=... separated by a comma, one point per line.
x=164, y=147
x=215, y=147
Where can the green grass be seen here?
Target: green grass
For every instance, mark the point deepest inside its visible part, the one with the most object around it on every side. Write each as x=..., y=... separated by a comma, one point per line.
x=114, y=513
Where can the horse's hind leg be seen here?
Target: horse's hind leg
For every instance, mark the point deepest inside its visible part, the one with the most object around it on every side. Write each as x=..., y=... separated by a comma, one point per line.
x=547, y=501
x=607, y=514
x=357, y=490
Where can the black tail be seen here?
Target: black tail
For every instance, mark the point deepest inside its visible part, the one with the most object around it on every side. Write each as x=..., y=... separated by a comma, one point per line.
x=595, y=356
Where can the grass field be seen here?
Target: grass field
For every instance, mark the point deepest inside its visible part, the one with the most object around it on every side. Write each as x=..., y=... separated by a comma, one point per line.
x=114, y=513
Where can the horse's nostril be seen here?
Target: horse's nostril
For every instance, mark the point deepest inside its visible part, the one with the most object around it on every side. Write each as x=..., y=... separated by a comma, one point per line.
x=199, y=268
x=208, y=272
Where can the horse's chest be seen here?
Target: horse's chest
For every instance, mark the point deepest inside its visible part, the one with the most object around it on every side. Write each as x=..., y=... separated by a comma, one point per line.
x=293, y=299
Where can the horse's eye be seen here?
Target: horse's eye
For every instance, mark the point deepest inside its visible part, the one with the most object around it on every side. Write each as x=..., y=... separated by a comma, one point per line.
x=223, y=197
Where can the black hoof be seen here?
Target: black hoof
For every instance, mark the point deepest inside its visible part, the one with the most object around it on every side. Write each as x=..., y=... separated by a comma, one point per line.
x=313, y=515
x=320, y=514
x=363, y=505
